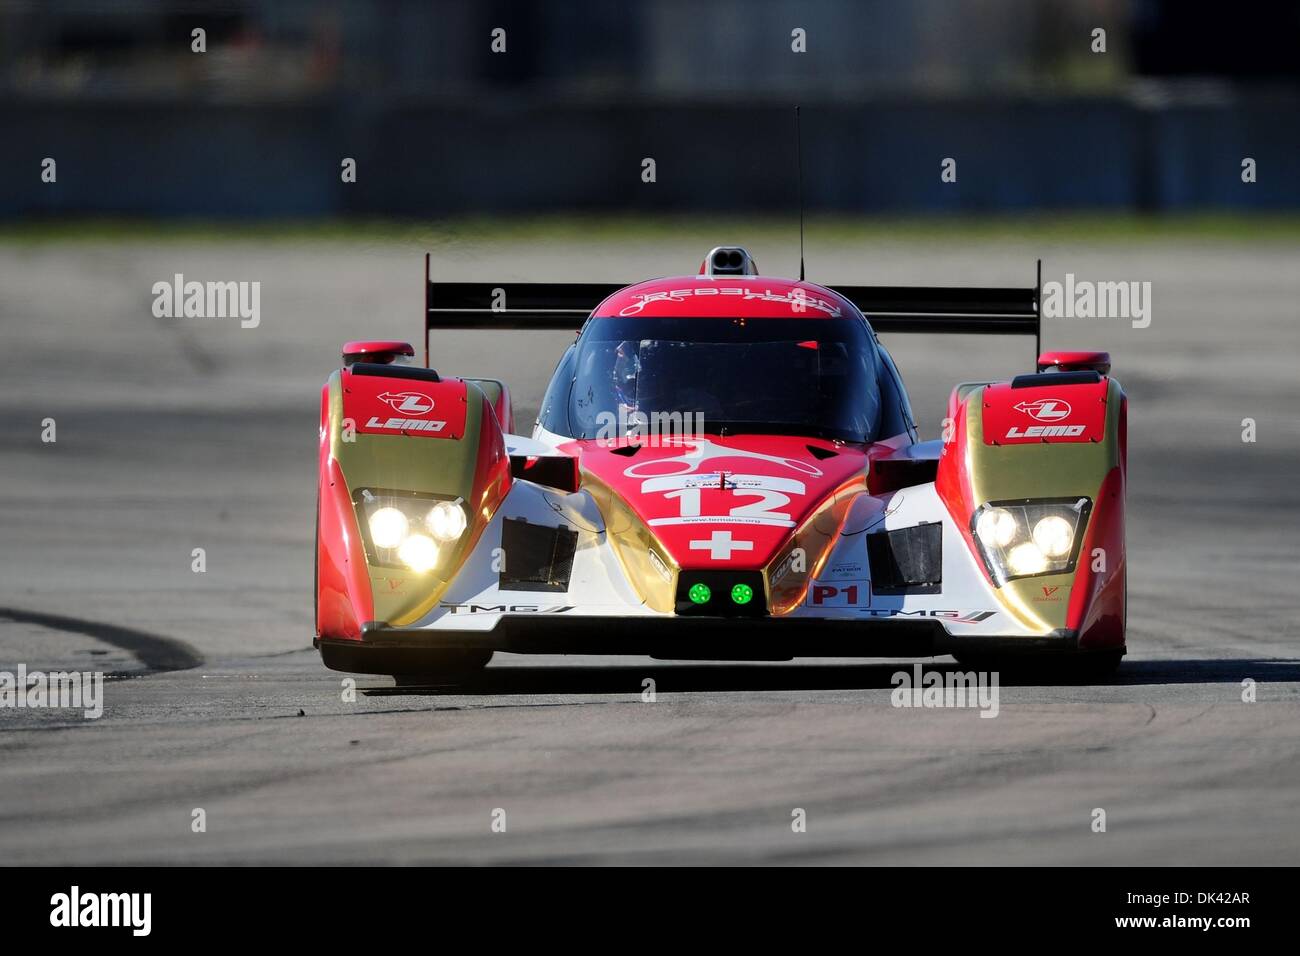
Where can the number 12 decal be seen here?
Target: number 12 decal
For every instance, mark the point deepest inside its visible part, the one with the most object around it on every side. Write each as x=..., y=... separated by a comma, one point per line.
x=754, y=512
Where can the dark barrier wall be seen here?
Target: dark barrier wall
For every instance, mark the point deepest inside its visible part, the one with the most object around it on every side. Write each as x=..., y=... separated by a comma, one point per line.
x=268, y=161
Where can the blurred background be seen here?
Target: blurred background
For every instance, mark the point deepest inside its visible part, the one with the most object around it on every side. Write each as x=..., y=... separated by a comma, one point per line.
x=175, y=434
x=442, y=126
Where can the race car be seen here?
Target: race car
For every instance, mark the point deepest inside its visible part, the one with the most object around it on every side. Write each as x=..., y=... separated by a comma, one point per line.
x=725, y=466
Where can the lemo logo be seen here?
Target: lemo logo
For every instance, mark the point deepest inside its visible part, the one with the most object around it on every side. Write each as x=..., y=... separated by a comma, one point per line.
x=409, y=403
x=1045, y=409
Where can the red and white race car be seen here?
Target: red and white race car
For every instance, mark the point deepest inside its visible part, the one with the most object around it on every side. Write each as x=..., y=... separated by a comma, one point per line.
x=725, y=466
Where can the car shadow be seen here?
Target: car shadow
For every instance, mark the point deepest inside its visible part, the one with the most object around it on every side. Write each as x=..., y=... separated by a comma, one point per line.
x=622, y=679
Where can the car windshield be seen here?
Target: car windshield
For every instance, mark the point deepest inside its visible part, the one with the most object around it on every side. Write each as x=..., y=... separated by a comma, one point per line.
x=814, y=377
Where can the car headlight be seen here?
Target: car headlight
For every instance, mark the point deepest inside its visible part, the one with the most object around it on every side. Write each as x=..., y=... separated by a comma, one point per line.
x=446, y=521
x=418, y=552
x=1054, y=536
x=996, y=527
x=388, y=527
x=1018, y=539
x=408, y=529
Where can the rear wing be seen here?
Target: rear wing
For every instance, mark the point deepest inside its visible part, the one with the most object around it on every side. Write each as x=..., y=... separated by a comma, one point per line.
x=948, y=310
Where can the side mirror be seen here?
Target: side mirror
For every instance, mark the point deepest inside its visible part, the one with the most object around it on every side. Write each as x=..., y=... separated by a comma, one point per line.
x=1098, y=362
x=379, y=353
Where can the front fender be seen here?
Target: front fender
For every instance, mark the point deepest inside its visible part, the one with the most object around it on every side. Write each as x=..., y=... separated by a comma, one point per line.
x=989, y=460
x=468, y=461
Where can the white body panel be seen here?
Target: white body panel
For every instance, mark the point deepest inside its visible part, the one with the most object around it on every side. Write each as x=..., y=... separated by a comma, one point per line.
x=966, y=605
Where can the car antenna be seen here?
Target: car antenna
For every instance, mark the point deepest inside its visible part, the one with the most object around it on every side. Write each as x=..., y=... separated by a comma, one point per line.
x=798, y=160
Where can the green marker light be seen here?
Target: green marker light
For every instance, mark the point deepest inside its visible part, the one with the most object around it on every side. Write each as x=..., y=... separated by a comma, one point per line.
x=699, y=593
x=742, y=594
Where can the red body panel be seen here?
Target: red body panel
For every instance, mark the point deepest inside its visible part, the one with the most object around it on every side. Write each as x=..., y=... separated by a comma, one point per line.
x=1046, y=413
x=390, y=406
x=491, y=471
x=724, y=502
x=1073, y=361
x=504, y=410
x=953, y=486
x=343, y=588
x=383, y=350
x=1097, y=599
x=343, y=598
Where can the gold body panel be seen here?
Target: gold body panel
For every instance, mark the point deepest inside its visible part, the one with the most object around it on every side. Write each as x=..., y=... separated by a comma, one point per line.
x=1045, y=470
x=402, y=463
x=633, y=543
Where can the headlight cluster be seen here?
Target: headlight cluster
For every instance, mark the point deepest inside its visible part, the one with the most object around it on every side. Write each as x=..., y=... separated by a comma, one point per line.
x=408, y=530
x=1019, y=539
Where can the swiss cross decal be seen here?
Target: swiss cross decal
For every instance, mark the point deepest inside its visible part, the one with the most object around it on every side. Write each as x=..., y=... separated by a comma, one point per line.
x=720, y=545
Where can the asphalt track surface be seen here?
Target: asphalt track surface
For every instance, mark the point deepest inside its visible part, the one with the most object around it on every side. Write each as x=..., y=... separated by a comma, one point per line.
x=174, y=435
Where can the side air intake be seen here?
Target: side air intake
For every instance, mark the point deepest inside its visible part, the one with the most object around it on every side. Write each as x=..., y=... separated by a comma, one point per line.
x=537, y=557
x=906, y=560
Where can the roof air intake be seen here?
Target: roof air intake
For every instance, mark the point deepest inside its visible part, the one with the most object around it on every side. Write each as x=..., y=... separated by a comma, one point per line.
x=729, y=261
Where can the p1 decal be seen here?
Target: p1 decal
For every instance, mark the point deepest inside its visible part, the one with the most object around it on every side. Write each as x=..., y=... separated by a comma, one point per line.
x=1046, y=409
x=408, y=403
x=839, y=594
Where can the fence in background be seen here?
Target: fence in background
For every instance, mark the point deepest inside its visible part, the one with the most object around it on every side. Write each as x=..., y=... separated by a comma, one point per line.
x=262, y=160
